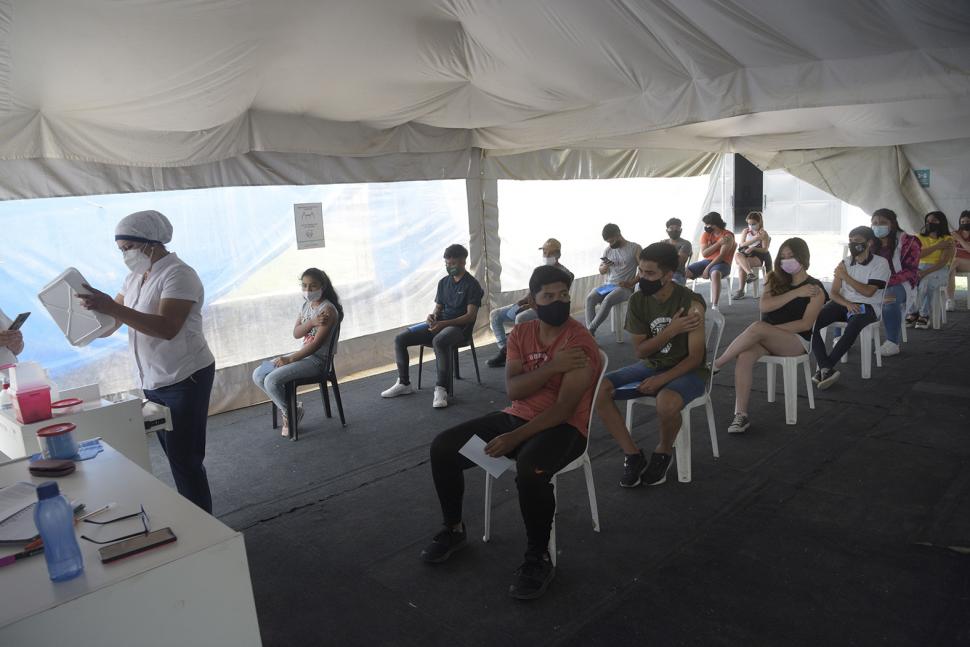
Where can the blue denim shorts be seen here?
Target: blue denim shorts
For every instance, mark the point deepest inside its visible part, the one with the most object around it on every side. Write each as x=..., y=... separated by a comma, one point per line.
x=698, y=268
x=689, y=386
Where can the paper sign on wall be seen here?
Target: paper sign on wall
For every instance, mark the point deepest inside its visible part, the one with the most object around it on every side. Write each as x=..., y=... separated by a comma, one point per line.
x=923, y=177
x=309, y=225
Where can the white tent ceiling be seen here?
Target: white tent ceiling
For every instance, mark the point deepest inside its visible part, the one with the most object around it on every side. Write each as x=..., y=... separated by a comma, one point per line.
x=163, y=83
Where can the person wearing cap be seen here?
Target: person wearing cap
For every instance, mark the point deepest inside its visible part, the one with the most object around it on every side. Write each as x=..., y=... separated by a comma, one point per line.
x=619, y=267
x=161, y=303
x=11, y=341
x=521, y=311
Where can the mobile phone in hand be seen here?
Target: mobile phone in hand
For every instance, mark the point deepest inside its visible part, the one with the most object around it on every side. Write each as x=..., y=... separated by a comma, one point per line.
x=19, y=321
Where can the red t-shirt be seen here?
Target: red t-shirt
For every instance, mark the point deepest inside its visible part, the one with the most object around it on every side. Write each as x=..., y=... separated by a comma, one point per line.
x=709, y=239
x=524, y=344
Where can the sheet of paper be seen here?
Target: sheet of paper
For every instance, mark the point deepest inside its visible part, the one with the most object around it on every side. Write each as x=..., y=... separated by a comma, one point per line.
x=474, y=450
x=308, y=218
x=15, y=498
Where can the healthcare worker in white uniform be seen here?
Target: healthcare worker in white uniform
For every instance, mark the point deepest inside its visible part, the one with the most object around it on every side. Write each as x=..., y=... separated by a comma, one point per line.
x=161, y=303
x=11, y=341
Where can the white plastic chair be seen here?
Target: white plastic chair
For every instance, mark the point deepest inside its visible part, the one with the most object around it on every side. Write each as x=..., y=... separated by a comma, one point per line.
x=693, y=287
x=618, y=319
x=789, y=375
x=581, y=461
x=965, y=275
x=938, y=308
x=714, y=328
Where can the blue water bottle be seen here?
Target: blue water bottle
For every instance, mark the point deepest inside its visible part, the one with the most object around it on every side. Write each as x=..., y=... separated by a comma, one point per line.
x=54, y=519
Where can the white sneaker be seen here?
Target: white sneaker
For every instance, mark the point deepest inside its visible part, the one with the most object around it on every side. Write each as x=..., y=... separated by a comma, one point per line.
x=888, y=349
x=440, y=397
x=950, y=307
x=397, y=389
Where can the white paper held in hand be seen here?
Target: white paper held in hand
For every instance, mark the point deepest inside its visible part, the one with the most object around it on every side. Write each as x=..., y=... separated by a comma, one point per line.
x=474, y=450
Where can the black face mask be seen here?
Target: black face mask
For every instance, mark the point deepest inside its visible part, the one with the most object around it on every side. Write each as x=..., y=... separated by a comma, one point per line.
x=857, y=248
x=616, y=245
x=934, y=228
x=648, y=287
x=554, y=314
x=709, y=229
x=965, y=226
x=673, y=233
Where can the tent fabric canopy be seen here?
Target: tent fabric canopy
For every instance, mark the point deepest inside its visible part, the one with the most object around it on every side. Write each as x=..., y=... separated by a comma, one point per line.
x=188, y=83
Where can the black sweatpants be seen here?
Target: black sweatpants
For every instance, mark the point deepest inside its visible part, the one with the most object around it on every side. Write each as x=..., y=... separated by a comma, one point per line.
x=830, y=313
x=536, y=460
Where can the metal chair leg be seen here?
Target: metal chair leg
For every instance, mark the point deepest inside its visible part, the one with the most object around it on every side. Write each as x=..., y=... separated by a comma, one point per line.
x=478, y=376
x=325, y=397
x=336, y=399
x=291, y=411
x=420, y=364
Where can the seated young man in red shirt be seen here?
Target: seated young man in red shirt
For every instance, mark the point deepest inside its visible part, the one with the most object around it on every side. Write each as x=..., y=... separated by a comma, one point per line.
x=551, y=368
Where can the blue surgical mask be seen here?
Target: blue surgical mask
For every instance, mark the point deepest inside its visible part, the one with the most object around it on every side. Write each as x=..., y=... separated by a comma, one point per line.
x=881, y=231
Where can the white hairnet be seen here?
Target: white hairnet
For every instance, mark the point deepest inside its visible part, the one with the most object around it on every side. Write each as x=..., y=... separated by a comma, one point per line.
x=144, y=226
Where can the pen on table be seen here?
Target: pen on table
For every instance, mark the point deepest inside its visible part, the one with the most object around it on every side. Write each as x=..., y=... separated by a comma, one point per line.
x=10, y=559
x=94, y=512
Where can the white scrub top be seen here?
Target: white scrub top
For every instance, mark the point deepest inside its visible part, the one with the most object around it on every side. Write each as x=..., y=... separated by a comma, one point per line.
x=160, y=362
x=6, y=355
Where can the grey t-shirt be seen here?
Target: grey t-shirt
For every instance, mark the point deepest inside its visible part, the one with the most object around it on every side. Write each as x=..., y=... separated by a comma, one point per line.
x=683, y=247
x=624, y=259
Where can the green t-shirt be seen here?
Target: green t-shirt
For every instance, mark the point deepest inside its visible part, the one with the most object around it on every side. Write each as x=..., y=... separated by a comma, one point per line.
x=647, y=316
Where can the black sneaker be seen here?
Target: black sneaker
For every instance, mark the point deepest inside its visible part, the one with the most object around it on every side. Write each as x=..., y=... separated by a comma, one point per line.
x=828, y=378
x=817, y=377
x=656, y=472
x=499, y=360
x=751, y=277
x=533, y=577
x=740, y=424
x=443, y=545
x=922, y=323
x=633, y=467
x=911, y=320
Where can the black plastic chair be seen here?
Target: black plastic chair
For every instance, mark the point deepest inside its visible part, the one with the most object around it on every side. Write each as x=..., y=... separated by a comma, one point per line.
x=291, y=388
x=455, y=373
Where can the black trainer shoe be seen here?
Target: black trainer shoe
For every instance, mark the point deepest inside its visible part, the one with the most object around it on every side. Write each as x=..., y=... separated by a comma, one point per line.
x=533, y=577
x=829, y=377
x=911, y=320
x=499, y=360
x=443, y=544
x=740, y=424
x=817, y=377
x=633, y=468
x=656, y=472
x=751, y=277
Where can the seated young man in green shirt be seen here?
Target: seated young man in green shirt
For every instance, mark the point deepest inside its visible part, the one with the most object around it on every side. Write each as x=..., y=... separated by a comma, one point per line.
x=667, y=324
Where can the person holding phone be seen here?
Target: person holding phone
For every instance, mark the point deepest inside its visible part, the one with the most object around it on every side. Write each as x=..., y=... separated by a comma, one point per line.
x=619, y=266
x=857, y=294
x=161, y=303
x=11, y=341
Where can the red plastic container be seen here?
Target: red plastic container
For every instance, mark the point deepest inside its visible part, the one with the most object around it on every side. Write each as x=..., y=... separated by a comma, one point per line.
x=32, y=405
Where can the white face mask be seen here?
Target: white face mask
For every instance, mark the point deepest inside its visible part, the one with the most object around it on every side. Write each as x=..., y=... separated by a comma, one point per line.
x=550, y=260
x=313, y=296
x=137, y=261
x=754, y=227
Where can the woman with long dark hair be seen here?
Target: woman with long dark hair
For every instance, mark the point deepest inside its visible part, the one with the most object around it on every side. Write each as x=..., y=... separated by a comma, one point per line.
x=789, y=306
x=936, y=254
x=319, y=317
x=902, y=252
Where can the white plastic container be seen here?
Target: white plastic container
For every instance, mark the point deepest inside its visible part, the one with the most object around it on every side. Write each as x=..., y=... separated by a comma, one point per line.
x=80, y=326
x=27, y=375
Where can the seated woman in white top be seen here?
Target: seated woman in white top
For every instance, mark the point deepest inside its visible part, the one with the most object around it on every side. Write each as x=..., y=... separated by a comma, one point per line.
x=858, y=286
x=11, y=341
x=161, y=303
x=791, y=301
x=752, y=251
x=319, y=318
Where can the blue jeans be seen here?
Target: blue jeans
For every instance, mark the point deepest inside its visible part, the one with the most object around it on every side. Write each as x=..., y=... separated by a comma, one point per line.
x=514, y=314
x=929, y=285
x=694, y=270
x=892, y=313
x=185, y=444
x=273, y=380
x=689, y=386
